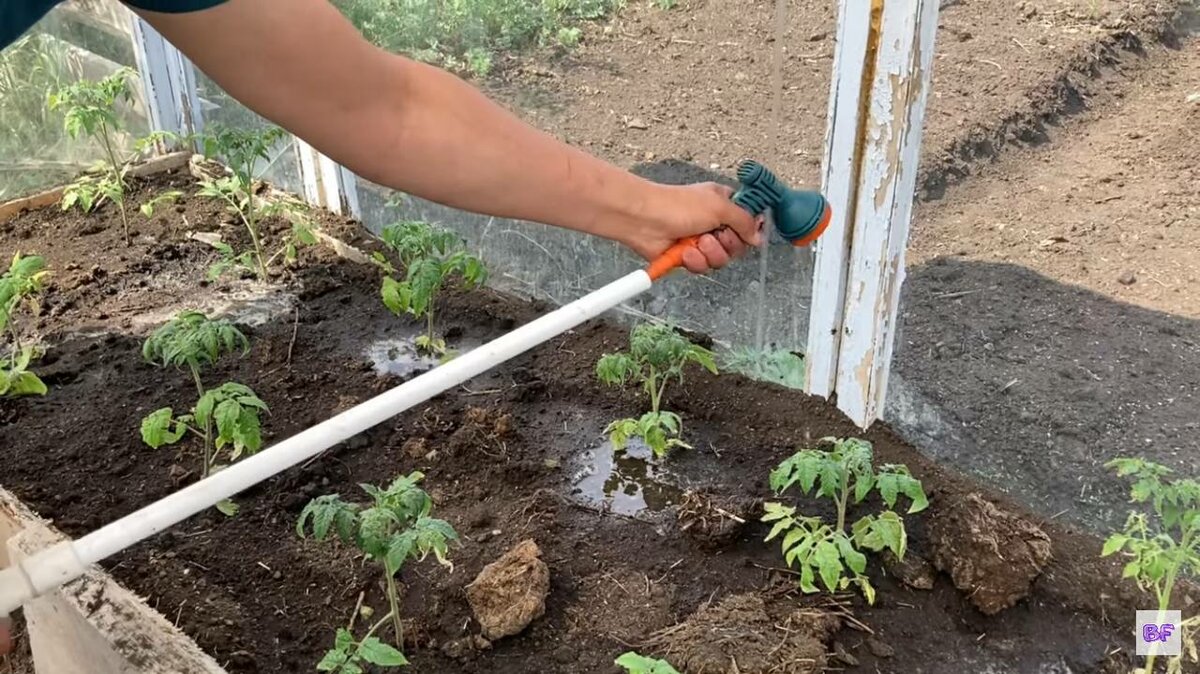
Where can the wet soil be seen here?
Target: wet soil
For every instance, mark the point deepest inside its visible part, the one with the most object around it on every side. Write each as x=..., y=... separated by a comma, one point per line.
x=501, y=455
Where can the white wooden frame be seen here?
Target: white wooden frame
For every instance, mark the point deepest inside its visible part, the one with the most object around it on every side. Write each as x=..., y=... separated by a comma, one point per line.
x=327, y=184
x=169, y=83
x=882, y=75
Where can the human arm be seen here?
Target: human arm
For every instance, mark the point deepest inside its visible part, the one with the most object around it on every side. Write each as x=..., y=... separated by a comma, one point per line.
x=418, y=129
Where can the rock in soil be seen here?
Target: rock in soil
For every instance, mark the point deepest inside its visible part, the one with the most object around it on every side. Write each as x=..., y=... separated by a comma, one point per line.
x=510, y=592
x=712, y=522
x=913, y=571
x=738, y=636
x=992, y=555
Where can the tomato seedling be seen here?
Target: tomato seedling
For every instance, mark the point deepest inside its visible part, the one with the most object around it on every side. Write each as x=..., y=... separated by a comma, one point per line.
x=657, y=355
x=636, y=663
x=844, y=474
x=90, y=109
x=394, y=529
x=242, y=150
x=19, y=288
x=1161, y=550
x=169, y=197
x=430, y=256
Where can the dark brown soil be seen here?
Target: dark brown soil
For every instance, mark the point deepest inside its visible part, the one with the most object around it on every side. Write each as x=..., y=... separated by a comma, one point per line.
x=499, y=453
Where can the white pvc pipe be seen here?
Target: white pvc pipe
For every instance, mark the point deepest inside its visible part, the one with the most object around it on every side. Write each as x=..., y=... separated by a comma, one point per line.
x=66, y=561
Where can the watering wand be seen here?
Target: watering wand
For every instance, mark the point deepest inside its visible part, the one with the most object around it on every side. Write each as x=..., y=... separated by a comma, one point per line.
x=800, y=217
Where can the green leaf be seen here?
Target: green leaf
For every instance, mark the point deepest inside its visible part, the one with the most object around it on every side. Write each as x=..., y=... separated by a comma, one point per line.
x=227, y=414
x=855, y=560
x=227, y=507
x=829, y=564
x=1113, y=544
x=376, y=652
x=26, y=383
x=160, y=428
x=333, y=661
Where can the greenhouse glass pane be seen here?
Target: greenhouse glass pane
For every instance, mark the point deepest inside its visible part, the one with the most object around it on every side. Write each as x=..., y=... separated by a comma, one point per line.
x=82, y=40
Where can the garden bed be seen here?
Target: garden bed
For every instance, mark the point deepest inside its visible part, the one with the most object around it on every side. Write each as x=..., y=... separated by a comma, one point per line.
x=507, y=458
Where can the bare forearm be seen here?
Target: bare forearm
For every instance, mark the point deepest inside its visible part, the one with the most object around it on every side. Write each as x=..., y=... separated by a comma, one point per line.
x=423, y=131
x=439, y=137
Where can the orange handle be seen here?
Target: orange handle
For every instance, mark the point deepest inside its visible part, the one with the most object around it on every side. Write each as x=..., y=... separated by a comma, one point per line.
x=672, y=259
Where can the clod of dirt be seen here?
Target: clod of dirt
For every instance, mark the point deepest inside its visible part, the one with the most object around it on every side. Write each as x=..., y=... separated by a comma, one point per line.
x=466, y=647
x=1127, y=278
x=992, y=555
x=415, y=447
x=738, y=636
x=483, y=430
x=913, y=571
x=841, y=655
x=510, y=592
x=713, y=522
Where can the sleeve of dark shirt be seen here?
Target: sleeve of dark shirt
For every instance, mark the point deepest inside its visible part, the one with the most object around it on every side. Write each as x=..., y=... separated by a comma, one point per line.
x=18, y=16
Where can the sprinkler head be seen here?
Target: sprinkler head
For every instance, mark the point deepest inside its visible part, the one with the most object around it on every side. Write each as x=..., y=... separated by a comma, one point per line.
x=800, y=216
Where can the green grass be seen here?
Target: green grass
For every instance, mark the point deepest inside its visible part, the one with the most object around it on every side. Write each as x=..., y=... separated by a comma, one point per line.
x=467, y=35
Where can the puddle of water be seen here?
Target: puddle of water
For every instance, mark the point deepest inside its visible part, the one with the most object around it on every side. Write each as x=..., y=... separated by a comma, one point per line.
x=399, y=358
x=627, y=482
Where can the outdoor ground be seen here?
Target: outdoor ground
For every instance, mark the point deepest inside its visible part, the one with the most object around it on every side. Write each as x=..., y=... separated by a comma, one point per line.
x=1050, y=322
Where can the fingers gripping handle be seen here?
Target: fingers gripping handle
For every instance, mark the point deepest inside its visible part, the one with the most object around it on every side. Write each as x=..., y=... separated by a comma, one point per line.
x=800, y=217
x=672, y=259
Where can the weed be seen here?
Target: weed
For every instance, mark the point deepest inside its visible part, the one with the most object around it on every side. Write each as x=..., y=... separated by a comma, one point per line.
x=430, y=255
x=1162, y=550
x=20, y=287
x=636, y=663
x=169, y=197
x=465, y=35
x=90, y=109
x=242, y=150
x=657, y=355
x=569, y=37
x=395, y=528
x=666, y=4
x=846, y=475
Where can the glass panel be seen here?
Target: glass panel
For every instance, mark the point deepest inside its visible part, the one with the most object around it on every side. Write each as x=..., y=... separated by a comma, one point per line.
x=82, y=40
x=580, y=71
x=220, y=109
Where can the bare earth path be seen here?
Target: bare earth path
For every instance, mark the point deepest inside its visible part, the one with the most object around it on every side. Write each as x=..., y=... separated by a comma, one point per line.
x=1053, y=304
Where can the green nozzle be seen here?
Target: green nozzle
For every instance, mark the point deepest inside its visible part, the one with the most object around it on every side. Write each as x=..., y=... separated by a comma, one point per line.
x=800, y=216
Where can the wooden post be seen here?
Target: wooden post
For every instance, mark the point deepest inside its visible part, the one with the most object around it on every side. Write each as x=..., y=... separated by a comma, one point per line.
x=882, y=75
x=327, y=184
x=169, y=83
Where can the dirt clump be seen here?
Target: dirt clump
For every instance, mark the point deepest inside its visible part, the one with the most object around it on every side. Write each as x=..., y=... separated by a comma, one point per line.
x=739, y=636
x=914, y=571
x=624, y=604
x=992, y=555
x=484, y=430
x=510, y=593
x=713, y=522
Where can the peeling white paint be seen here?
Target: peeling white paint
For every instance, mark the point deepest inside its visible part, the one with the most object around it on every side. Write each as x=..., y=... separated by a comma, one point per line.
x=850, y=343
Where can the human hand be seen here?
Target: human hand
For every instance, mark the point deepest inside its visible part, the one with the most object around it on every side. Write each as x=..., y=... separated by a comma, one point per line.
x=673, y=212
x=5, y=636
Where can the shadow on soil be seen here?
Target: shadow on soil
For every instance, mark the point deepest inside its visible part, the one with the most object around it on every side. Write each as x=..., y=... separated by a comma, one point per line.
x=1032, y=385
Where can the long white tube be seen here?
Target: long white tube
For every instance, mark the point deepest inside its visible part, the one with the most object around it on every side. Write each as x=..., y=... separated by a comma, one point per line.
x=66, y=561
